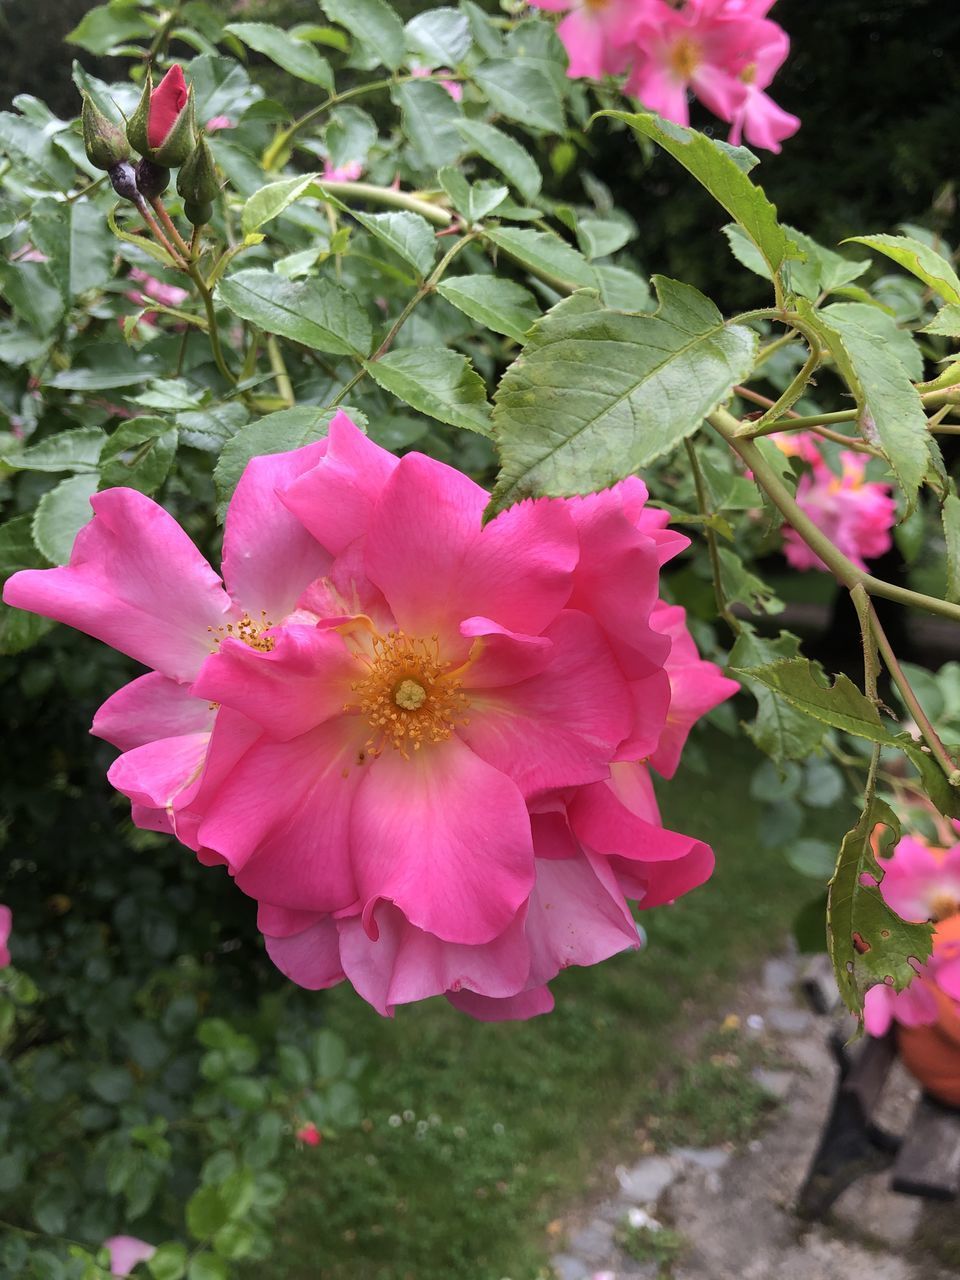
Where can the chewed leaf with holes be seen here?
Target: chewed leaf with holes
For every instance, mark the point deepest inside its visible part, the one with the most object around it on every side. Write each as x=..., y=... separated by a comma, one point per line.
x=597, y=393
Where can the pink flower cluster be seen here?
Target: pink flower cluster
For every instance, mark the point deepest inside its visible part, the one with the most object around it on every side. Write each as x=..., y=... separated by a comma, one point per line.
x=856, y=514
x=6, y=924
x=418, y=741
x=726, y=52
x=920, y=883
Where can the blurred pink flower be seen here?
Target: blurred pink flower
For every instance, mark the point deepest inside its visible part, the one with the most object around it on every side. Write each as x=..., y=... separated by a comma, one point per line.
x=915, y=1006
x=452, y=87
x=171, y=295
x=921, y=882
x=215, y=123
x=310, y=1135
x=6, y=922
x=348, y=172
x=596, y=33
x=125, y=1252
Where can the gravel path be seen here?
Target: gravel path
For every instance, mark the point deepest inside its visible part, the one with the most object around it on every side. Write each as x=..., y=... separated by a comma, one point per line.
x=734, y=1211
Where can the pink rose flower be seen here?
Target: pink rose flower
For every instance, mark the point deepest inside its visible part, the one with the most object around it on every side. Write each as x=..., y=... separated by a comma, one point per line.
x=856, y=514
x=915, y=1006
x=726, y=52
x=215, y=123
x=596, y=33
x=920, y=882
x=166, y=103
x=452, y=87
x=126, y=1252
x=6, y=923
x=310, y=1135
x=348, y=172
x=170, y=295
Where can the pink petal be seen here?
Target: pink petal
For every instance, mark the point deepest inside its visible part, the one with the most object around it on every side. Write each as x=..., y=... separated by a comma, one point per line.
x=562, y=726
x=126, y=1251
x=499, y=657
x=528, y=1004
x=6, y=924
x=281, y=818
x=436, y=565
x=764, y=124
x=282, y=922
x=948, y=979
x=302, y=682
x=335, y=499
x=154, y=775
x=233, y=735
x=877, y=1010
x=404, y=964
x=446, y=838
x=269, y=558
x=585, y=46
x=650, y=702
x=659, y=90
x=310, y=958
x=151, y=707
x=134, y=581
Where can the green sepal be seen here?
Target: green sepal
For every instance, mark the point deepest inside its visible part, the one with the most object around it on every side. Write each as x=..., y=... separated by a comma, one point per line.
x=137, y=123
x=197, y=182
x=103, y=141
x=197, y=214
x=178, y=143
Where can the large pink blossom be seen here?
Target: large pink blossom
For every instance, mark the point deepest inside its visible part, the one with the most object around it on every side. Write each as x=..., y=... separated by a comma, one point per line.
x=596, y=33
x=6, y=923
x=126, y=1252
x=915, y=1006
x=921, y=882
x=855, y=513
x=426, y=732
x=723, y=51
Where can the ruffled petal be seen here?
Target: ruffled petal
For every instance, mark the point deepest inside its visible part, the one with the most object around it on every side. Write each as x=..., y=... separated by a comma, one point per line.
x=155, y=774
x=528, y=1004
x=446, y=838
x=499, y=657
x=151, y=707
x=311, y=957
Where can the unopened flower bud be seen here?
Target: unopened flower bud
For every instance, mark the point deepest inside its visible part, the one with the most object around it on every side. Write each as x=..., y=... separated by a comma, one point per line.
x=152, y=179
x=103, y=141
x=163, y=127
x=198, y=185
x=123, y=178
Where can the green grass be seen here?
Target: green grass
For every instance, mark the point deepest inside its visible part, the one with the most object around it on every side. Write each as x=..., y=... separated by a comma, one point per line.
x=477, y=1135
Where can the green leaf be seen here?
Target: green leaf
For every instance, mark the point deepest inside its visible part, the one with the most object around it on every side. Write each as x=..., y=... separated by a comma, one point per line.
x=112, y=1084
x=74, y=238
x=235, y=1240
x=885, y=396
x=722, y=170
x=76, y=450
x=823, y=271
x=951, y=534
x=107, y=26
x=802, y=685
x=374, y=24
x=168, y=1263
x=29, y=288
x=546, y=255
x=316, y=312
x=142, y=242
x=919, y=259
x=869, y=943
x=349, y=135
x=138, y=454
x=295, y=56
x=623, y=290
x=599, y=237
x=60, y=515
x=211, y=428
x=439, y=37
x=330, y=1054
x=597, y=394
x=474, y=200
x=946, y=322
x=934, y=780
x=521, y=92
x=440, y=383
x=500, y=305
x=207, y=1266
x=206, y=1212
x=407, y=234
x=781, y=731
x=19, y=629
x=889, y=338
x=504, y=153
x=270, y=201
x=814, y=858
x=275, y=433
x=430, y=119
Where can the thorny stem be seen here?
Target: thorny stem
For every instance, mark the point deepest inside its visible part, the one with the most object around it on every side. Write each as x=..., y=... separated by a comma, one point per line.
x=922, y=721
x=723, y=608
x=161, y=210
x=154, y=228
x=792, y=393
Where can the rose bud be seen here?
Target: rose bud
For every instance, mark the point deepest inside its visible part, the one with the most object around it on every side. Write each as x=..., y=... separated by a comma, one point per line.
x=163, y=127
x=123, y=178
x=103, y=141
x=198, y=185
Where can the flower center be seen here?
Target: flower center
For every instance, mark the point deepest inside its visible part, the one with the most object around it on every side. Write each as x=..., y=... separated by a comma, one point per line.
x=596, y=6
x=685, y=57
x=250, y=632
x=943, y=905
x=409, y=695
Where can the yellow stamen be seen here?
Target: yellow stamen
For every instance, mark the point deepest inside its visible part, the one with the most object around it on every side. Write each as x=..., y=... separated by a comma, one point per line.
x=685, y=57
x=409, y=695
x=250, y=632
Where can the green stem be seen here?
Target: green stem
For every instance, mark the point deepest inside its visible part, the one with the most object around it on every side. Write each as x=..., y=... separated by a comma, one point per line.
x=281, y=376
x=388, y=197
x=930, y=735
x=212, y=331
x=161, y=210
x=723, y=607
x=791, y=394
x=796, y=422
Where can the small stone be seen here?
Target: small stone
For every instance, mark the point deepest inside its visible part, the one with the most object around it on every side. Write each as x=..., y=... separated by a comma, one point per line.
x=594, y=1242
x=707, y=1158
x=779, y=976
x=566, y=1267
x=777, y=1083
x=755, y=1023
x=790, y=1022
x=647, y=1180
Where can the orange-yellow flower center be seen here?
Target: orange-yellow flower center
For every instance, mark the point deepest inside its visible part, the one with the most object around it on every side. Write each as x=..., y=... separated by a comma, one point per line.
x=685, y=57
x=596, y=6
x=943, y=906
x=409, y=695
x=250, y=632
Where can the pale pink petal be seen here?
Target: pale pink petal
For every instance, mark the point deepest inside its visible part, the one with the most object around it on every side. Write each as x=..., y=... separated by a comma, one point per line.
x=134, y=581
x=334, y=500
x=528, y=1004
x=763, y=123
x=586, y=48
x=304, y=680
x=281, y=819
x=151, y=707
x=125, y=1252
x=878, y=1010
x=562, y=726
x=403, y=963
x=446, y=838
x=310, y=958
x=269, y=558
x=436, y=565
x=659, y=90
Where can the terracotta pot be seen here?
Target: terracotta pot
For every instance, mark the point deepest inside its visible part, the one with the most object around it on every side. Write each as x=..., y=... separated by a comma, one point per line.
x=932, y=1053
